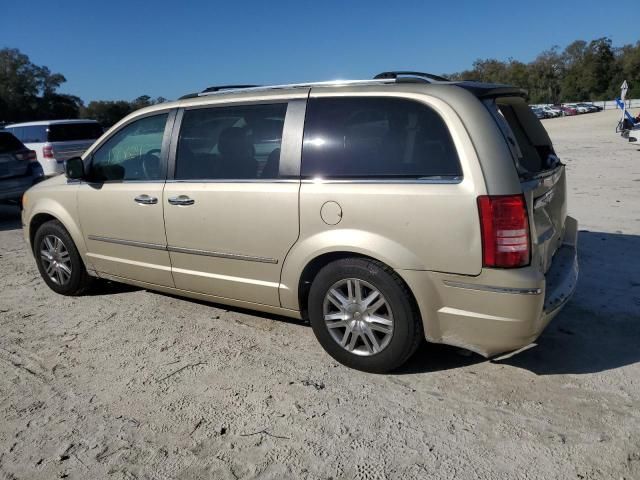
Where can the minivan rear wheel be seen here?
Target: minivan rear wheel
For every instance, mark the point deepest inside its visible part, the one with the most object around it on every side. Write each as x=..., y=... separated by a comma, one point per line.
x=58, y=260
x=363, y=315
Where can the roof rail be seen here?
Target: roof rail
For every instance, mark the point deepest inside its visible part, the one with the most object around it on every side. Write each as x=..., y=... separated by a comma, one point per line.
x=426, y=77
x=216, y=88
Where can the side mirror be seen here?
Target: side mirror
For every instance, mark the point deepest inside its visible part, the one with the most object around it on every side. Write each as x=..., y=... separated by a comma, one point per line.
x=74, y=168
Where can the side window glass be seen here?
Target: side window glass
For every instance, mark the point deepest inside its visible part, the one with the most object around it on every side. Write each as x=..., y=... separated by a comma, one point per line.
x=240, y=142
x=133, y=153
x=373, y=137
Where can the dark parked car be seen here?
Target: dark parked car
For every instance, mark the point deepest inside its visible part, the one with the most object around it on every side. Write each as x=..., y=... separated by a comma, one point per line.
x=19, y=168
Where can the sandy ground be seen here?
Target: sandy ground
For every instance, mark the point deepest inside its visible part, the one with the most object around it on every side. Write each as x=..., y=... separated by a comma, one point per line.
x=127, y=383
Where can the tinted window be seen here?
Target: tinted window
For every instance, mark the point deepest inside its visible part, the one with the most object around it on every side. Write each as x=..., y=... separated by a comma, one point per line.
x=133, y=153
x=9, y=143
x=230, y=143
x=376, y=138
x=30, y=134
x=67, y=132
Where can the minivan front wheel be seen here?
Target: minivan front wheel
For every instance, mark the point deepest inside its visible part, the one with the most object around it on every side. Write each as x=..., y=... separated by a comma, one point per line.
x=363, y=315
x=58, y=260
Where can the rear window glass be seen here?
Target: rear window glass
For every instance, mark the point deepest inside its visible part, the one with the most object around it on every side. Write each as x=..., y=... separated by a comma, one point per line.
x=68, y=132
x=9, y=143
x=527, y=138
x=30, y=134
x=373, y=137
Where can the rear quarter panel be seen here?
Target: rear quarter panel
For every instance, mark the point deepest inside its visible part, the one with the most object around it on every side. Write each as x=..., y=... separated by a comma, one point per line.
x=416, y=226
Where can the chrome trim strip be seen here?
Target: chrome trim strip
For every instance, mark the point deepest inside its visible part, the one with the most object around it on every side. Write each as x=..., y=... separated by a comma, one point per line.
x=388, y=181
x=192, y=251
x=225, y=180
x=131, y=243
x=232, y=256
x=489, y=288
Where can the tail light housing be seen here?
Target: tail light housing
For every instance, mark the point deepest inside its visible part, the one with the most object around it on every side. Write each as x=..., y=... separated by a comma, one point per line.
x=47, y=151
x=28, y=156
x=504, y=225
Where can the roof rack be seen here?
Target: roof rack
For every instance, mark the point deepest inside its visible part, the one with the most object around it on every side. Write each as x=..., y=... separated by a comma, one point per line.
x=217, y=88
x=398, y=75
x=384, y=77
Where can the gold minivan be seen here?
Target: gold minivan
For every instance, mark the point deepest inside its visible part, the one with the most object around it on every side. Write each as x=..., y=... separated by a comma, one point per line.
x=384, y=211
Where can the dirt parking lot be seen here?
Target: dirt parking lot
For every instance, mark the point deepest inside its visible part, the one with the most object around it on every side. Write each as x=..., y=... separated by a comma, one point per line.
x=125, y=383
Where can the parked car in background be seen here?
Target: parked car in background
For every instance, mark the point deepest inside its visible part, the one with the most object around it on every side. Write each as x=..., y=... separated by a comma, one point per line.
x=578, y=108
x=551, y=112
x=539, y=113
x=385, y=211
x=568, y=111
x=54, y=141
x=589, y=106
x=19, y=168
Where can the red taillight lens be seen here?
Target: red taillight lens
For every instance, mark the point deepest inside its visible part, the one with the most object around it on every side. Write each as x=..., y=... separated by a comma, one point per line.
x=47, y=151
x=29, y=156
x=505, y=231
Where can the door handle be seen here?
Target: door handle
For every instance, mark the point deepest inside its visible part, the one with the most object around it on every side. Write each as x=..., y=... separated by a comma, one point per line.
x=181, y=200
x=145, y=199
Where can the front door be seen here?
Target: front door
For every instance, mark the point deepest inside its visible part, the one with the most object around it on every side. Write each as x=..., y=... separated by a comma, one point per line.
x=120, y=204
x=231, y=209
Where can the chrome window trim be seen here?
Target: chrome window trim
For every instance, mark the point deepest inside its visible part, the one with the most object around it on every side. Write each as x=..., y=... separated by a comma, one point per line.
x=389, y=181
x=493, y=289
x=240, y=180
x=191, y=251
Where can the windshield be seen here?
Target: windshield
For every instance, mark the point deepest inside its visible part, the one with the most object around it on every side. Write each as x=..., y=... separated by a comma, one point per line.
x=67, y=132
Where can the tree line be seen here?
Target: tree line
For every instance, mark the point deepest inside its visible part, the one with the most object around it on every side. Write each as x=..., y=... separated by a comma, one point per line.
x=583, y=71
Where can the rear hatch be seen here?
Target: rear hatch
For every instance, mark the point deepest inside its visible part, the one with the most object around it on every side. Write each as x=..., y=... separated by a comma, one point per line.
x=69, y=140
x=14, y=157
x=541, y=174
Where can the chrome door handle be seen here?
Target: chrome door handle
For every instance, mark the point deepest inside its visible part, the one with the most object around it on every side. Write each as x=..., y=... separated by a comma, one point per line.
x=145, y=199
x=181, y=200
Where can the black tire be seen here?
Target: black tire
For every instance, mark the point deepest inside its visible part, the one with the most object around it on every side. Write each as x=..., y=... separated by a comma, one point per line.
x=79, y=280
x=407, y=331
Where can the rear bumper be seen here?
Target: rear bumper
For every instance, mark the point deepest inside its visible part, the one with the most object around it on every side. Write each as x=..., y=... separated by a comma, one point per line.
x=13, y=188
x=499, y=310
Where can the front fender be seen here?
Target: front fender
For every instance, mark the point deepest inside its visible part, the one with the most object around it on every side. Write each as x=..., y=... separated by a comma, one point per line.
x=60, y=205
x=355, y=241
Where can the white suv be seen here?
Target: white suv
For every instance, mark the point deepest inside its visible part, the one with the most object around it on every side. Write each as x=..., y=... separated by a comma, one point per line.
x=55, y=141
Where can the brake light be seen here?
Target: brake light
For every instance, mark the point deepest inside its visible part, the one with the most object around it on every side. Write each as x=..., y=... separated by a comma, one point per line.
x=505, y=231
x=47, y=151
x=29, y=156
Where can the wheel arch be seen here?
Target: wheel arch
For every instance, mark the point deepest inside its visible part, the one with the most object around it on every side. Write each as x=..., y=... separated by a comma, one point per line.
x=313, y=267
x=43, y=212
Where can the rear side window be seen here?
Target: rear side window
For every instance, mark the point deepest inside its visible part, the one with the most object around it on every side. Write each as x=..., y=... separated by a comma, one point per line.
x=30, y=134
x=240, y=142
x=9, y=143
x=69, y=132
x=371, y=138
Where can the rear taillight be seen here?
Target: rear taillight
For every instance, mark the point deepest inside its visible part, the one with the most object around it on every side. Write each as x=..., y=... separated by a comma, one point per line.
x=505, y=231
x=28, y=156
x=47, y=151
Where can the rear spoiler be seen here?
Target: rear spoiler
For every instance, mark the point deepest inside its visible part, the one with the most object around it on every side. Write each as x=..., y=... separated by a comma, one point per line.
x=492, y=90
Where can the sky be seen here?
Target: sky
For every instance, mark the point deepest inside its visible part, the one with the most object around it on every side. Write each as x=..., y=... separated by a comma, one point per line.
x=114, y=49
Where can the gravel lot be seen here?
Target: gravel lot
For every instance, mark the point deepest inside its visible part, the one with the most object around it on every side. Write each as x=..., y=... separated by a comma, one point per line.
x=125, y=383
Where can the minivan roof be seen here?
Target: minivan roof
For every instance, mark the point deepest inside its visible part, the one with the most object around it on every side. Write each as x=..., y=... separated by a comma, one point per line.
x=49, y=122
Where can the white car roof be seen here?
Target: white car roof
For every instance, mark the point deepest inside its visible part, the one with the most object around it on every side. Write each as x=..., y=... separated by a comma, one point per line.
x=48, y=122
